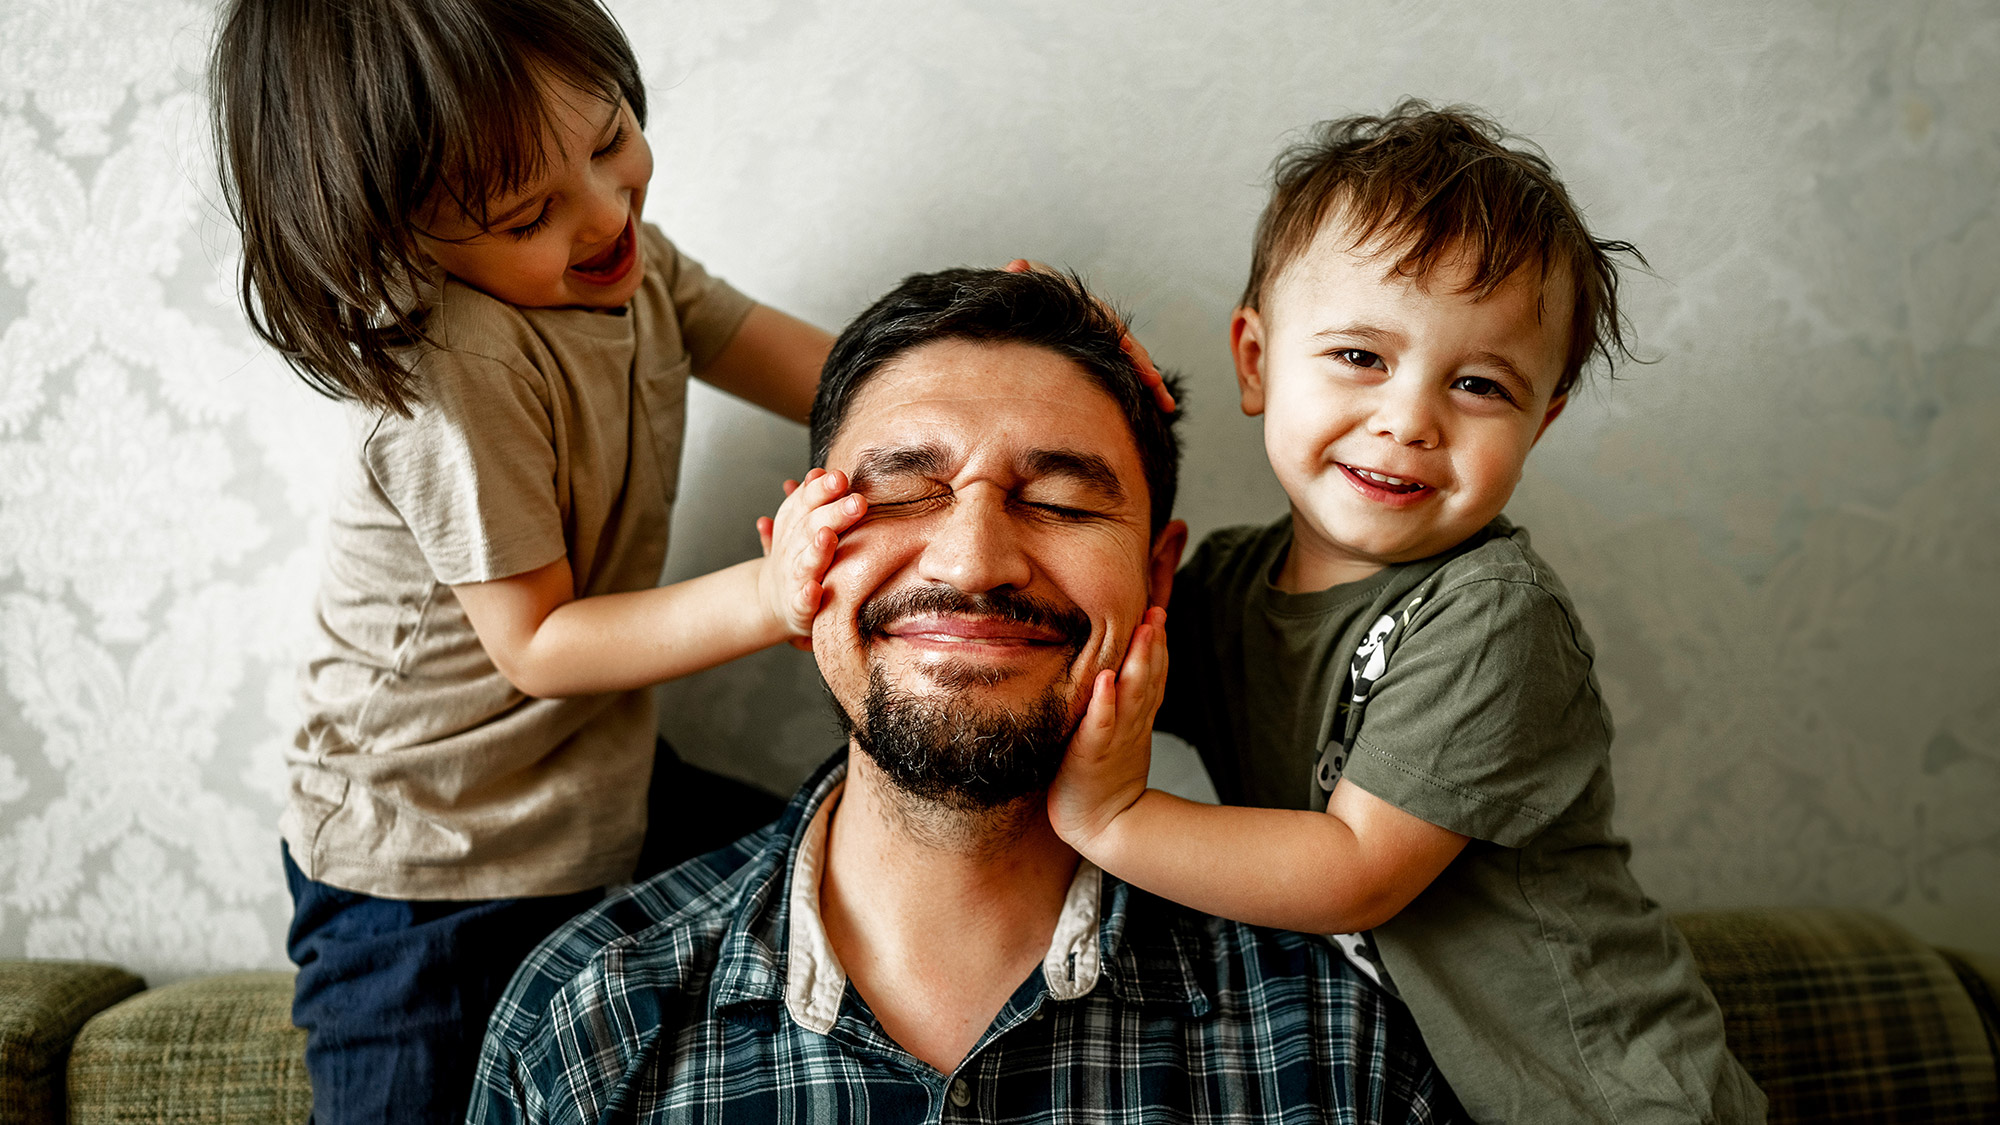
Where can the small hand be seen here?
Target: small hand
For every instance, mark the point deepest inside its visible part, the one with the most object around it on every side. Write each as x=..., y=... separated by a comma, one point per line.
x=799, y=545
x=1104, y=771
x=1142, y=361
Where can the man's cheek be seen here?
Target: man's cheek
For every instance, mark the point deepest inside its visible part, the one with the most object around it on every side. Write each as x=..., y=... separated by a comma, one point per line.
x=854, y=576
x=845, y=578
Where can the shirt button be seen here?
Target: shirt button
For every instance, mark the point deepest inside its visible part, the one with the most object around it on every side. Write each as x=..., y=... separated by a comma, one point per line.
x=961, y=1093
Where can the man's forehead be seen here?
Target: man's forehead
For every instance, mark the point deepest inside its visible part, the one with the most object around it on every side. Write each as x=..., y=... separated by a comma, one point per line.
x=952, y=400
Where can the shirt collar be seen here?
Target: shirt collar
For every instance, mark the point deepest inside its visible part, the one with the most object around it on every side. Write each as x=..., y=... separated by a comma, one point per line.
x=815, y=980
x=777, y=948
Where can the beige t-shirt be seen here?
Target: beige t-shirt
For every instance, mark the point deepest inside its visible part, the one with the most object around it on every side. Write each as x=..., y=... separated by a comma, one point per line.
x=420, y=772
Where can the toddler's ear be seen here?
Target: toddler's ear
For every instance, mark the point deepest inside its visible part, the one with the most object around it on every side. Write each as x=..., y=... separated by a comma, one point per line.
x=1246, y=347
x=1556, y=405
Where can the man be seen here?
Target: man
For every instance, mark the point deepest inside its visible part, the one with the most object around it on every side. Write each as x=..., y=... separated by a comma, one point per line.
x=911, y=940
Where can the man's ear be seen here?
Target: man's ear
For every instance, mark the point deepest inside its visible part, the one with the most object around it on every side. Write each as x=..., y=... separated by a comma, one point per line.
x=1166, y=558
x=1556, y=405
x=1246, y=347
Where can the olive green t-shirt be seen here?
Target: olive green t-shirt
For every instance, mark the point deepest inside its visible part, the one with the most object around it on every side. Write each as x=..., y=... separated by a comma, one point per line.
x=1459, y=688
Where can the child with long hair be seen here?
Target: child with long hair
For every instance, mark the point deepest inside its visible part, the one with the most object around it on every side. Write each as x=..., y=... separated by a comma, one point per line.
x=441, y=205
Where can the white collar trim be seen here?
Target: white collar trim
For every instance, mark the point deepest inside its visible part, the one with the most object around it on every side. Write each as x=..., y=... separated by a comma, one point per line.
x=815, y=980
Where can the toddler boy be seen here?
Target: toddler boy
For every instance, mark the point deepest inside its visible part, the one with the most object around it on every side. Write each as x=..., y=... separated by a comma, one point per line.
x=1391, y=689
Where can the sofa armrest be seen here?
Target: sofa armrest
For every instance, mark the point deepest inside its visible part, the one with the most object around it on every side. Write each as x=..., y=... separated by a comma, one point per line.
x=1841, y=1015
x=218, y=1049
x=43, y=1004
x=1980, y=974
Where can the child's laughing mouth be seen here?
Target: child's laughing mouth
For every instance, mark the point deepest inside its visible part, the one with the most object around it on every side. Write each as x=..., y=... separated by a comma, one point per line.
x=609, y=266
x=1383, y=487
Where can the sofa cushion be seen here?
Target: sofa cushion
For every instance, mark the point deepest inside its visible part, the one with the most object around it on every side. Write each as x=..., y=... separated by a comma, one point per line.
x=42, y=1004
x=1843, y=1016
x=218, y=1050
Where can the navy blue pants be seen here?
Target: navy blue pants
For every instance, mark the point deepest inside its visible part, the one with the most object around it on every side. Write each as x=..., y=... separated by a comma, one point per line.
x=394, y=995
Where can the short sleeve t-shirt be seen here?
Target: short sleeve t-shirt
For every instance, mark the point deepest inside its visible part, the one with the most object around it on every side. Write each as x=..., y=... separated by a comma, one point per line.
x=1459, y=688
x=420, y=772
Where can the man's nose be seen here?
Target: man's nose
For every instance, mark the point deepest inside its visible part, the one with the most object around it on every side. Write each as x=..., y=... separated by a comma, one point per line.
x=975, y=544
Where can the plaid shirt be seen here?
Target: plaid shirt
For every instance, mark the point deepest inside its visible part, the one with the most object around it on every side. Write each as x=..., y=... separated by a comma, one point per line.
x=700, y=996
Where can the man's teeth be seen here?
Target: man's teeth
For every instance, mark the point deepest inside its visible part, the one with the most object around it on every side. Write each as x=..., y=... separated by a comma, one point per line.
x=1382, y=479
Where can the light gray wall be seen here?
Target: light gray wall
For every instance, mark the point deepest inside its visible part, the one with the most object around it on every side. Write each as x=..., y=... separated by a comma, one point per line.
x=1784, y=535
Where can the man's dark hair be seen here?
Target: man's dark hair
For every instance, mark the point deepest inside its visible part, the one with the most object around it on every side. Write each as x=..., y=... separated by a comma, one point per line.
x=1051, y=311
x=1434, y=184
x=337, y=122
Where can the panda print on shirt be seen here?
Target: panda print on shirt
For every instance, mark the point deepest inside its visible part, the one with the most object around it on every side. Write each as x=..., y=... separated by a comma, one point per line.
x=1371, y=659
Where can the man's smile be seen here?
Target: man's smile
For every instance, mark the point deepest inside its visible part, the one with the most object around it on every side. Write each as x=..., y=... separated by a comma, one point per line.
x=965, y=637
x=960, y=630
x=936, y=615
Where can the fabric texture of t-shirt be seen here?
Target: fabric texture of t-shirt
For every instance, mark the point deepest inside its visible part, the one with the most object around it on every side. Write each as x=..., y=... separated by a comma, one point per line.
x=420, y=772
x=1460, y=689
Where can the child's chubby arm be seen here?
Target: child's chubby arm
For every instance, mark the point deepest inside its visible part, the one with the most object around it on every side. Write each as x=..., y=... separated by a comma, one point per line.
x=1352, y=867
x=550, y=643
x=774, y=360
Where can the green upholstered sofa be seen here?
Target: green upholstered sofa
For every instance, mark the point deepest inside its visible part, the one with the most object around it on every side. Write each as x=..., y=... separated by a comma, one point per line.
x=1840, y=1015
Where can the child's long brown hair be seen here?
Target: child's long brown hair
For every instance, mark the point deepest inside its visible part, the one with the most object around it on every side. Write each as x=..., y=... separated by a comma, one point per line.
x=337, y=122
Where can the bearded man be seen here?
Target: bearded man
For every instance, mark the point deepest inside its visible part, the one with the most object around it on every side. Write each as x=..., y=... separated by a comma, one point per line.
x=911, y=940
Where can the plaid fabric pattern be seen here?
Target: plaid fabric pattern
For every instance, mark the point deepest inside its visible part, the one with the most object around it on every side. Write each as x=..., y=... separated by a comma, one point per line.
x=1842, y=1016
x=667, y=1003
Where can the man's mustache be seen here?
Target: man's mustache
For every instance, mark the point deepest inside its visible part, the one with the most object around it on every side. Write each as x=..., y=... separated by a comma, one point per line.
x=1068, y=622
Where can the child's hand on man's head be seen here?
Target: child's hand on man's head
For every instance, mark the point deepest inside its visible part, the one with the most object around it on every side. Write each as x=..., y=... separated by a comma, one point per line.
x=1104, y=770
x=798, y=547
x=1142, y=361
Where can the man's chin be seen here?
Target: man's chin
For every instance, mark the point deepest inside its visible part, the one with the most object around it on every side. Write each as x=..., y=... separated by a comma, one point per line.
x=957, y=739
x=960, y=677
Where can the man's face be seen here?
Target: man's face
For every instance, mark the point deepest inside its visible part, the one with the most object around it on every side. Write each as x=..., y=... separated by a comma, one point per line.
x=1397, y=413
x=1005, y=560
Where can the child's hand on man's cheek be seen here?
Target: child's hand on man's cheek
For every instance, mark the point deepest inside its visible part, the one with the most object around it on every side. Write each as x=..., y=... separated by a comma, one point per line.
x=1104, y=770
x=799, y=544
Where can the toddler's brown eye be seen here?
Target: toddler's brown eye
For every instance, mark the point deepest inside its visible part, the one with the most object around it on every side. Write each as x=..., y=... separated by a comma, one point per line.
x=1484, y=388
x=1358, y=358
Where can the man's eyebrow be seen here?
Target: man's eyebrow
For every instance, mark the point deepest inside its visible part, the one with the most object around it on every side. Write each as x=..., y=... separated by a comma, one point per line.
x=927, y=460
x=1088, y=469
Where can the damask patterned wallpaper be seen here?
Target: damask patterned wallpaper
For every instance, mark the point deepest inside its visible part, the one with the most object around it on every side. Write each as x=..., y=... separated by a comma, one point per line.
x=1784, y=534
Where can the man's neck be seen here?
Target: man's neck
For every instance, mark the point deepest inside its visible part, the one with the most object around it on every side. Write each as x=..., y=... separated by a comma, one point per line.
x=938, y=915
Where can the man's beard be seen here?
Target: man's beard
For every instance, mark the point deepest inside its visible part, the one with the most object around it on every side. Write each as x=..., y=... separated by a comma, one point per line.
x=942, y=750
